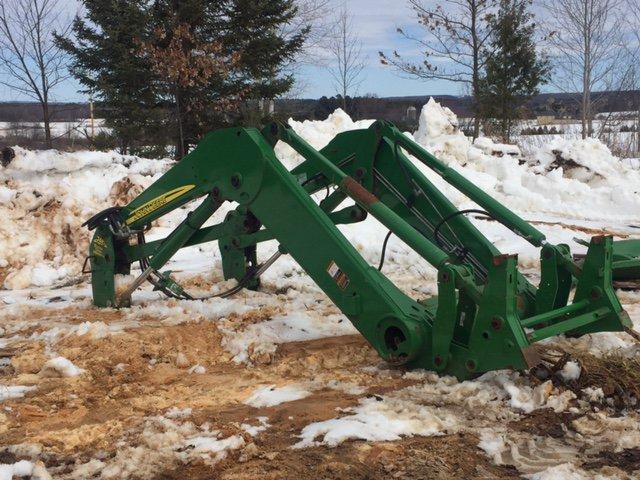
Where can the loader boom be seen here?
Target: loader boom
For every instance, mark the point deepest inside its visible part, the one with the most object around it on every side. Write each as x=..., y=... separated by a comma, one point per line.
x=486, y=316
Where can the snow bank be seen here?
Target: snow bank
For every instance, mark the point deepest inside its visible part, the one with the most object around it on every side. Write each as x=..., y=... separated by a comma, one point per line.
x=46, y=195
x=598, y=186
x=318, y=133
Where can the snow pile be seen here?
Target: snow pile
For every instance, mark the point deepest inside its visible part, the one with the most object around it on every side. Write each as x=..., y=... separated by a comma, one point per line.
x=45, y=196
x=318, y=133
x=60, y=367
x=438, y=132
x=598, y=179
x=588, y=160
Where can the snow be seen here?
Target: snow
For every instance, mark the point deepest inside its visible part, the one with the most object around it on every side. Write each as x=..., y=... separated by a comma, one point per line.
x=571, y=371
x=46, y=195
x=271, y=395
x=60, y=367
x=263, y=337
x=13, y=391
x=23, y=468
x=493, y=444
x=165, y=440
x=564, y=471
x=377, y=420
x=255, y=430
x=198, y=369
x=209, y=445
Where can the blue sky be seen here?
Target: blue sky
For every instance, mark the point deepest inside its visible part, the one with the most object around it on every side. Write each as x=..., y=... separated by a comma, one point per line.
x=375, y=22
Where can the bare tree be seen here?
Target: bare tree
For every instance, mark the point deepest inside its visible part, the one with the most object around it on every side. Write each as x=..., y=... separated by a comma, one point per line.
x=348, y=61
x=454, y=36
x=586, y=37
x=313, y=16
x=32, y=62
x=634, y=48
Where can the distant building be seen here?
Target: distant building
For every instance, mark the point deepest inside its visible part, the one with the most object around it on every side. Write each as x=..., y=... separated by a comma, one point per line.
x=412, y=114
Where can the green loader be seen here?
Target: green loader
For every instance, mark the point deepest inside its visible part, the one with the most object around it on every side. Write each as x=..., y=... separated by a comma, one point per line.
x=486, y=315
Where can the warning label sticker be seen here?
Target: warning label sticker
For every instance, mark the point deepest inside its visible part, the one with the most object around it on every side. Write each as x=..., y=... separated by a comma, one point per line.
x=338, y=275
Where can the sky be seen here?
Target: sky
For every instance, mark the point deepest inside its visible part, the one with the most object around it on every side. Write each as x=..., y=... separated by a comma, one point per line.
x=375, y=23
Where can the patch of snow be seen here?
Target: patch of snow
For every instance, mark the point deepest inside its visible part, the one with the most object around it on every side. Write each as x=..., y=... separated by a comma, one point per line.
x=13, y=391
x=378, y=419
x=593, y=394
x=197, y=369
x=254, y=430
x=60, y=367
x=271, y=395
x=210, y=445
x=23, y=468
x=175, y=412
x=570, y=372
x=493, y=444
x=263, y=337
x=564, y=471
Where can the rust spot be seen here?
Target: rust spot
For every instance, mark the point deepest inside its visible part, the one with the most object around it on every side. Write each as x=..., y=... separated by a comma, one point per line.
x=531, y=356
x=358, y=192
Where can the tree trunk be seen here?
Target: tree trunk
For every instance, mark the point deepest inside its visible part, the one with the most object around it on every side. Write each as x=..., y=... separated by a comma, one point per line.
x=47, y=124
x=475, y=81
x=180, y=147
x=586, y=74
x=638, y=131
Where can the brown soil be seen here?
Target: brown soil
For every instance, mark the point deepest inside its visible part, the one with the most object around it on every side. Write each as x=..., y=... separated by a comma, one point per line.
x=137, y=374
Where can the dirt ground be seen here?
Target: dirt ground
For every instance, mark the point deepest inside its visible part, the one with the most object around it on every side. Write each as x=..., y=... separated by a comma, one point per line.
x=140, y=373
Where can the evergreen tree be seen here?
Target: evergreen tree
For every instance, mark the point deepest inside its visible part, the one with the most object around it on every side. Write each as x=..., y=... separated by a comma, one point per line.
x=105, y=61
x=513, y=69
x=184, y=66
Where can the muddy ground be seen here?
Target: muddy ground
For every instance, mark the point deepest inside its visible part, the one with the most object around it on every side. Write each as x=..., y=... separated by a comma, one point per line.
x=77, y=425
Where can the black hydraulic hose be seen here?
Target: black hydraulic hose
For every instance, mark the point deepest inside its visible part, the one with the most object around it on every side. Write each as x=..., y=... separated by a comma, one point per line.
x=384, y=250
x=251, y=274
x=436, y=230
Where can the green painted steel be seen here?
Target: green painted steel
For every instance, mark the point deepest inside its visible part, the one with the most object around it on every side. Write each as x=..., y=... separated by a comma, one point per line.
x=626, y=260
x=486, y=316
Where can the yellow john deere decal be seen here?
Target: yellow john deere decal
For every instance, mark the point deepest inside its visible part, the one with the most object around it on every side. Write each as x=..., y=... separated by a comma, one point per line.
x=156, y=203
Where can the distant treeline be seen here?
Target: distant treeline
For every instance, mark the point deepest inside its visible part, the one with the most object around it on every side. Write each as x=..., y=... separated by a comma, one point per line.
x=565, y=105
x=32, y=112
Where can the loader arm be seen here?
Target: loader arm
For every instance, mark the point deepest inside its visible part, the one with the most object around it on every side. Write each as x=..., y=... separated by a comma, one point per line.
x=486, y=316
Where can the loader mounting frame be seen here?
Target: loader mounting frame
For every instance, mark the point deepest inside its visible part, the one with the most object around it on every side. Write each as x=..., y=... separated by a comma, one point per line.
x=486, y=315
